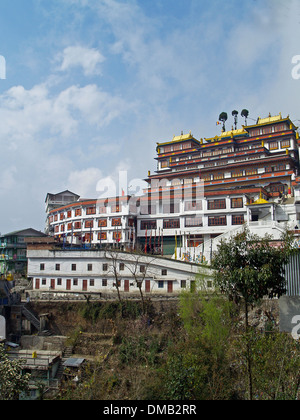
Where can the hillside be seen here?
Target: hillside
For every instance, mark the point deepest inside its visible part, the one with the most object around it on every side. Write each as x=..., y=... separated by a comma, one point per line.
x=190, y=349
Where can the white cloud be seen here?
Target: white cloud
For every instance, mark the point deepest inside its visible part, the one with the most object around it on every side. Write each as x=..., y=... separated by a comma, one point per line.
x=84, y=182
x=87, y=58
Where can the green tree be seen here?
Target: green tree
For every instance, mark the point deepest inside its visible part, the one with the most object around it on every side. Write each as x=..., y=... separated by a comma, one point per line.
x=248, y=267
x=12, y=381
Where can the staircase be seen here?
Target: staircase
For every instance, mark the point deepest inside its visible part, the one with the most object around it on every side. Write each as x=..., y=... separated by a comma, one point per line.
x=67, y=353
x=31, y=317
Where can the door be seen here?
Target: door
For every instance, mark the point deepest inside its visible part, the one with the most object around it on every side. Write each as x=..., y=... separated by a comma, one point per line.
x=37, y=284
x=147, y=286
x=68, y=284
x=170, y=286
x=84, y=285
x=126, y=285
x=52, y=284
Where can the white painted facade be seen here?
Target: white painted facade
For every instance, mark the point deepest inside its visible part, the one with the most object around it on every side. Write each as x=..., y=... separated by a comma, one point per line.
x=2, y=328
x=95, y=271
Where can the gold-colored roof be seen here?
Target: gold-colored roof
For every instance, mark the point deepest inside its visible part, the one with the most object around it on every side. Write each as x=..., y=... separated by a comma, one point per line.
x=269, y=119
x=224, y=134
x=260, y=200
x=182, y=137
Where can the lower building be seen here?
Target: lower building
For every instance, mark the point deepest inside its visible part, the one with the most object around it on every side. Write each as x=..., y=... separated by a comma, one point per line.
x=59, y=270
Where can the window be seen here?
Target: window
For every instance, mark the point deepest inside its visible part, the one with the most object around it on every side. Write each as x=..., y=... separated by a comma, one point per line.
x=77, y=212
x=193, y=222
x=117, y=236
x=183, y=284
x=89, y=224
x=285, y=143
x=164, y=272
x=69, y=214
x=102, y=223
x=193, y=205
x=44, y=282
x=171, y=208
x=142, y=269
x=237, y=203
x=252, y=171
x=216, y=204
x=91, y=210
x=102, y=236
x=77, y=225
x=105, y=267
x=104, y=282
x=160, y=284
x=57, y=267
x=164, y=164
x=42, y=267
x=75, y=282
x=238, y=219
x=237, y=174
x=148, y=209
x=122, y=266
x=171, y=223
x=61, y=216
x=217, y=221
x=73, y=267
x=102, y=210
x=59, y=282
x=273, y=145
x=177, y=147
x=116, y=222
x=90, y=267
x=92, y=282
x=218, y=176
x=117, y=208
x=148, y=224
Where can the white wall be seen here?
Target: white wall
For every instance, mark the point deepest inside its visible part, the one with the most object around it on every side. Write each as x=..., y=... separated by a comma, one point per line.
x=2, y=328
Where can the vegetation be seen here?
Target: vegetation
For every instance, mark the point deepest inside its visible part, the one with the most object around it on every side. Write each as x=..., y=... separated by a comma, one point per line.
x=195, y=349
x=249, y=268
x=12, y=382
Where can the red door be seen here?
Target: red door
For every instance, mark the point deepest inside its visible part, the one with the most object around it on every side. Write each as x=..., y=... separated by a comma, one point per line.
x=147, y=286
x=84, y=285
x=68, y=284
x=170, y=287
x=126, y=285
x=52, y=284
x=37, y=283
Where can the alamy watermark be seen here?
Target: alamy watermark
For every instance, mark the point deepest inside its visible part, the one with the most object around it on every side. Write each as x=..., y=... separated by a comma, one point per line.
x=2, y=68
x=296, y=68
x=169, y=192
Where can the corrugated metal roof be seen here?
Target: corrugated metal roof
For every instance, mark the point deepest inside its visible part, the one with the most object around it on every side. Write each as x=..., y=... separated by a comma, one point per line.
x=73, y=362
x=292, y=275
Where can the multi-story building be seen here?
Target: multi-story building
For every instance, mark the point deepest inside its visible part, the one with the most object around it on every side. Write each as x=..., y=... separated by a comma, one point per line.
x=102, y=222
x=202, y=189
x=13, y=250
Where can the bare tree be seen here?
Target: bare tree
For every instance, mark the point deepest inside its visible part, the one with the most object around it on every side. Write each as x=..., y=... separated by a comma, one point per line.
x=114, y=268
x=140, y=268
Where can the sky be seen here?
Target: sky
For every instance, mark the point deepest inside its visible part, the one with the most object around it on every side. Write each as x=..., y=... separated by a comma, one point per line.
x=90, y=87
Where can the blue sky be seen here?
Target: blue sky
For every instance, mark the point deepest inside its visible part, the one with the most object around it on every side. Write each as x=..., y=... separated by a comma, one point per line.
x=92, y=85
